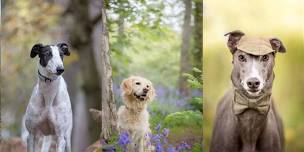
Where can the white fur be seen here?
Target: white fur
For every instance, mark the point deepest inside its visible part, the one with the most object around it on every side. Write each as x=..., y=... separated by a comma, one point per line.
x=254, y=73
x=49, y=110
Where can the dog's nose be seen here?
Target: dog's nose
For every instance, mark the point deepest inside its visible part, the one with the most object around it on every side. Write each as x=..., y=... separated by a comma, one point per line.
x=59, y=70
x=253, y=83
x=145, y=90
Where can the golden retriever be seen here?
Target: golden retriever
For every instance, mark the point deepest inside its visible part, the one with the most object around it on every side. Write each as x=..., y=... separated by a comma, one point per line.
x=133, y=117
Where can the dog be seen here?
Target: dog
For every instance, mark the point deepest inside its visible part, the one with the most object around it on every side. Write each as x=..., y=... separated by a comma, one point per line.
x=49, y=111
x=246, y=118
x=133, y=117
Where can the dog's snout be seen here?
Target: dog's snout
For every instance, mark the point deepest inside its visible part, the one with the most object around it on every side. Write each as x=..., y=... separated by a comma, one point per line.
x=145, y=90
x=59, y=70
x=253, y=83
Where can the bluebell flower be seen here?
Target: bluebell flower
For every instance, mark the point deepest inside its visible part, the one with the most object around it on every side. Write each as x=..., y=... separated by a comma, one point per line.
x=124, y=139
x=156, y=138
x=166, y=132
x=157, y=128
x=159, y=147
x=171, y=149
x=183, y=146
x=111, y=148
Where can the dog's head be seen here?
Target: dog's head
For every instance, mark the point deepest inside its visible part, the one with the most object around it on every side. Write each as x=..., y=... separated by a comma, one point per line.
x=138, y=88
x=50, y=57
x=253, y=62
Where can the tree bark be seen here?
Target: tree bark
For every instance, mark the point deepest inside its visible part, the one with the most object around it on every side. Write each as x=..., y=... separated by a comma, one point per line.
x=80, y=36
x=198, y=36
x=185, y=65
x=108, y=106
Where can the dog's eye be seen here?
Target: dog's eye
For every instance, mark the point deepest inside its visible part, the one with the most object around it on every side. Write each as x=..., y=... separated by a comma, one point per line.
x=137, y=83
x=265, y=58
x=242, y=58
x=147, y=86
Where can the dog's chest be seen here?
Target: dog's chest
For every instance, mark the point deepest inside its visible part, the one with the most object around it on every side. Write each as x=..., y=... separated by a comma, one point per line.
x=47, y=126
x=251, y=125
x=136, y=121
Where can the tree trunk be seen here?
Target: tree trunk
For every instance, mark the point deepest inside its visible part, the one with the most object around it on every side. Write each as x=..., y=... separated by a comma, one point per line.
x=108, y=106
x=198, y=36
x=185, y=65
x=80, y=37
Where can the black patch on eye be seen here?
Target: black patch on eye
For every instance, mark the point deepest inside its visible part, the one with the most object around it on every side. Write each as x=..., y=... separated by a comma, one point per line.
x=61, y=55
x=45, y=55
x=137, y=83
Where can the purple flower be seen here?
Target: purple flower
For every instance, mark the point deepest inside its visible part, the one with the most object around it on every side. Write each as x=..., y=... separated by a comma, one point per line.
x=156, y=138
x=124, y=139
x=166, y=132
x=171, y=149
x=183, y=146
x=111, y=148
x=159, y=147
x=157, y=128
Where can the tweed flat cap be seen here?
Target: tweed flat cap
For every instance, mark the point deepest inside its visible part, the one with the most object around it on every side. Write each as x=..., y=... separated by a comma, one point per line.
x=255, y=45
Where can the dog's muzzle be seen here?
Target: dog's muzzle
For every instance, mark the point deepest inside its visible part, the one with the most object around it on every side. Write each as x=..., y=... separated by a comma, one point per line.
x=141, y=97
x=59, y=71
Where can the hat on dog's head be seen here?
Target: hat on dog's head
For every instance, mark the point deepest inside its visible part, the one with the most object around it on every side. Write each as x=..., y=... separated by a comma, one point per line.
x=253, y=45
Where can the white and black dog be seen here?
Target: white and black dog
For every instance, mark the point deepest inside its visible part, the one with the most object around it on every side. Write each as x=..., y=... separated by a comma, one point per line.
x=49, y=112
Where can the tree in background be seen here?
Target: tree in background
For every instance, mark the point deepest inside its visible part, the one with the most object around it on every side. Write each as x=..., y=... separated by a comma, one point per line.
x=80, y=29
x=185, y=62
x=109, y=114
x=197, y=50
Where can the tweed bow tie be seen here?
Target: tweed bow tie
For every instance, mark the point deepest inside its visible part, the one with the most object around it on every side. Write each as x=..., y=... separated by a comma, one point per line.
x=240, y=104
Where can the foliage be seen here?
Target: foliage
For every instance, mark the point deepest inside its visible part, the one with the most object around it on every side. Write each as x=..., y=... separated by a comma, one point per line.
x=196, y=82
x=158, y=142
x=153, y=53
x=185, y=126
x=185, y=118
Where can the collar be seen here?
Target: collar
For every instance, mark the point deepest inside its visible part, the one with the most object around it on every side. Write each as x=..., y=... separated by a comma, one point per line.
x=46, y=79
x=241, y=103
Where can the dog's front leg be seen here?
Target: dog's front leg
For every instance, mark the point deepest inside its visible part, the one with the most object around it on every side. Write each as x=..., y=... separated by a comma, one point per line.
x=30, y=142
x=141, y=145
x=68, y=147
x=60, y=143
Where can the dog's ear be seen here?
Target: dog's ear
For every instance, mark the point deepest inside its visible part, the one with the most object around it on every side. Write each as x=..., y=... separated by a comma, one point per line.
x=151, y=94
x=126, y=86
x=36, y=50
x=233, y=39
x=65, y=49
x=277, y=45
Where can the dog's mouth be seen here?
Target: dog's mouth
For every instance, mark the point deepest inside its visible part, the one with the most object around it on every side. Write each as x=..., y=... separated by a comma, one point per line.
x=141, y=97
x=253, y=93
x=253, y=90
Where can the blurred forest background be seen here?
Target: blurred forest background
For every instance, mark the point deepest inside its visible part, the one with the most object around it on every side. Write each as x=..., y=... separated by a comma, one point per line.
x=159, y=40
x=281, y=19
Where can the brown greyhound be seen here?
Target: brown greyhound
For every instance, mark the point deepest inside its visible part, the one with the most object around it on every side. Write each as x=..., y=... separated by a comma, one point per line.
x=246, y=118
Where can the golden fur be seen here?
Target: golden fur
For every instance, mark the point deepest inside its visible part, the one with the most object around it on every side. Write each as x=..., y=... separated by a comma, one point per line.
x=133, y=117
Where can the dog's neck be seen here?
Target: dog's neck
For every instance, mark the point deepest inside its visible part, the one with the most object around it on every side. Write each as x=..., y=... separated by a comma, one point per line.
x=135, y=110
x=48, y=86
x=45, y=76
x=134, y=106
x=251, y=116
x=241, y=103
x=46, y=79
